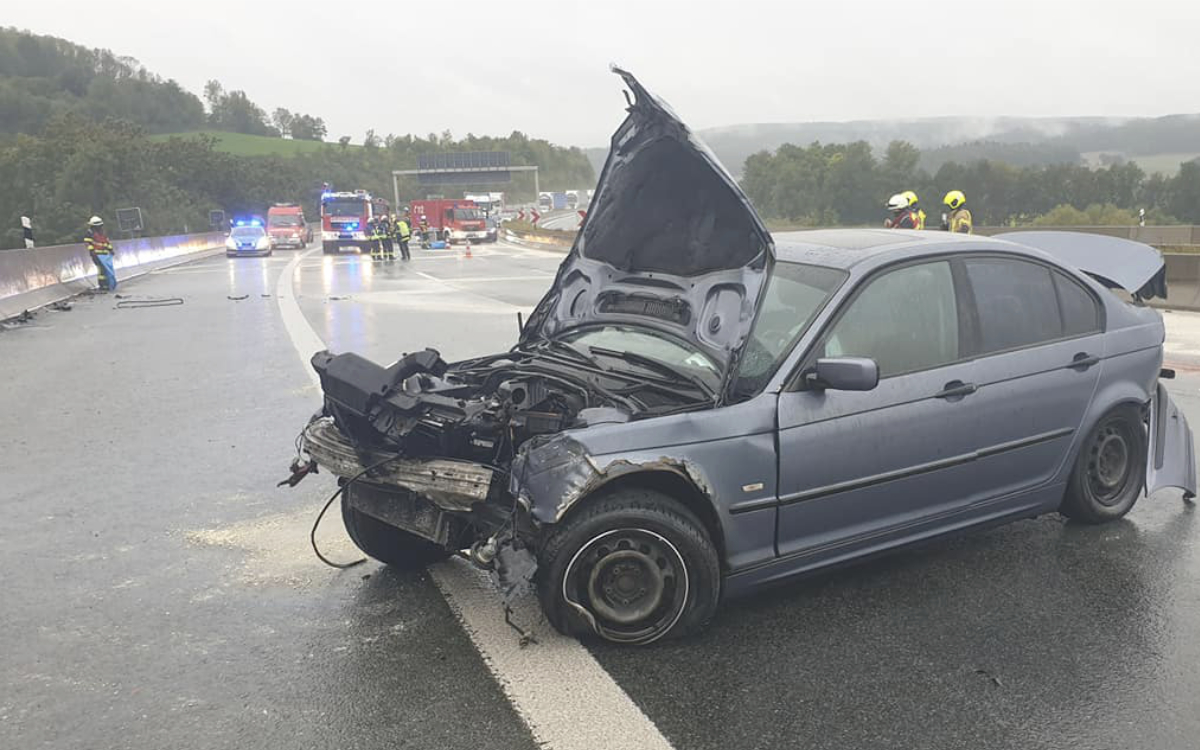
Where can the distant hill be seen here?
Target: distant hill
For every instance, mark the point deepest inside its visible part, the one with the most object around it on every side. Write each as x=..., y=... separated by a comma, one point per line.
x=1021, y=141
x=43, y=76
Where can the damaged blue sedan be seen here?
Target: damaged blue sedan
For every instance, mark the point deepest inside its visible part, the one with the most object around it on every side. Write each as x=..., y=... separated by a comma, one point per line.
x=698, y=408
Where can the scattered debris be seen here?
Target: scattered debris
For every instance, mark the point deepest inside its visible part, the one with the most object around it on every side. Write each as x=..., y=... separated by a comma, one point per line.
x=237, y=299
x=526, y=638
x=62, y=305
x=994, y=679
x=335, y=297
x=134, y=304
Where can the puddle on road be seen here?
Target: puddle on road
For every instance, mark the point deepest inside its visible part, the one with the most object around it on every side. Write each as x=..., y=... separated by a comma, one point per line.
x=277, y=547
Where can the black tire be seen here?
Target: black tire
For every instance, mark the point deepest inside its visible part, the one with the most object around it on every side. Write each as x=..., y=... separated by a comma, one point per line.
x=1110, y=470
x=388, y=544
x=643, y=542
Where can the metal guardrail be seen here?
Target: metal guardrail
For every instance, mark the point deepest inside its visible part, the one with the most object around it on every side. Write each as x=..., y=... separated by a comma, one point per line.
x=36, y=277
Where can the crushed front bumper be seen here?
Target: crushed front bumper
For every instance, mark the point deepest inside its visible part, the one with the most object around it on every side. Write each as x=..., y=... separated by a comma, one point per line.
x=450, y=484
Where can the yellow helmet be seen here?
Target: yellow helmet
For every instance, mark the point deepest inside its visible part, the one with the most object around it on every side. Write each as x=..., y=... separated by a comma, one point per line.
x=911, y=197
x=954, y=199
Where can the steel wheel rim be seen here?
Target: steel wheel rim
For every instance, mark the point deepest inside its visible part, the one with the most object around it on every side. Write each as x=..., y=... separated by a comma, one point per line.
x=633, y=582
x=1109, y=462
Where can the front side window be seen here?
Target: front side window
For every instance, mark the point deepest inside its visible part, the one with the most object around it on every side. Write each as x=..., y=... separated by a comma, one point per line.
x=906, y=320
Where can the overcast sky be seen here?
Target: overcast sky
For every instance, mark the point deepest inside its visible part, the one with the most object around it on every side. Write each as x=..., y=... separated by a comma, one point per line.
x=425, y=66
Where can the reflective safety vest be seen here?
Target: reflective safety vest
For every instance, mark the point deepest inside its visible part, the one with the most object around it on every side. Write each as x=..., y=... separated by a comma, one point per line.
x=920, y=219
x=403, y=230
x=98, y=243
x=906, y=219
x=960, y=221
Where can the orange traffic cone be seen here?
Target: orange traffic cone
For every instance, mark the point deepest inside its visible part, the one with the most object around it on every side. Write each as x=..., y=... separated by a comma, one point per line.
x=468, y=253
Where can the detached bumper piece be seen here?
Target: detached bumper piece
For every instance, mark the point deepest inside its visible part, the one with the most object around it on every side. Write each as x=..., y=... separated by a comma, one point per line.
x=449, y=484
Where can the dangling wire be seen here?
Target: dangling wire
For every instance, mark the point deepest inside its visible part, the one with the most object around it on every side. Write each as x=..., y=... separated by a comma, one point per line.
x=312, y=536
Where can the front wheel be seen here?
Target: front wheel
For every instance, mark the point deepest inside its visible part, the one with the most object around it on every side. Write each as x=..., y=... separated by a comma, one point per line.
x=1110, y=469
x=632, y=567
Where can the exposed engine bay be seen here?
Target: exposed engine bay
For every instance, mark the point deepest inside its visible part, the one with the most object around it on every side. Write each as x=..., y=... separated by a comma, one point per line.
x=483, y=409
x=449, y=434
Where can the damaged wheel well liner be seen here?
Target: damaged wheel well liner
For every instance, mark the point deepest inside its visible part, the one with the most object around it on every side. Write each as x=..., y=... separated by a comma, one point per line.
x=668, y=483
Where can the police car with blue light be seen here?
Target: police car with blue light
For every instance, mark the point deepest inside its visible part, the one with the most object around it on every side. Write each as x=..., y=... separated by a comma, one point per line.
x=247, y=237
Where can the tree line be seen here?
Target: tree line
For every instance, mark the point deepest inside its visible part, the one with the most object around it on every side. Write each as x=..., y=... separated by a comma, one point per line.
x=76, y=167
x=831, y=184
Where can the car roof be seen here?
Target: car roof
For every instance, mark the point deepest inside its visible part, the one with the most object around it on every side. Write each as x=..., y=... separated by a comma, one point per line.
x=844, y=248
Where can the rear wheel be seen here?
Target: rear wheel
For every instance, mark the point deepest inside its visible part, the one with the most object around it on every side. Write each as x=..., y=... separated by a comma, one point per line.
x=1110, y=469
x=633, y=567
x=388, y=544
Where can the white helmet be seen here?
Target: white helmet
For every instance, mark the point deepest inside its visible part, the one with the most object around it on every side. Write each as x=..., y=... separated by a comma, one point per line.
x=897, y=202
x=95, y=221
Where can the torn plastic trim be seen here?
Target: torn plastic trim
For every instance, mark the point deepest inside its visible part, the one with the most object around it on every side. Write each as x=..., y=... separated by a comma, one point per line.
x=550, y=476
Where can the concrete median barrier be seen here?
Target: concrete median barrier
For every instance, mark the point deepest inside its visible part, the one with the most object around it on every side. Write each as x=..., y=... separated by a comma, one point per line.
x=30, y=279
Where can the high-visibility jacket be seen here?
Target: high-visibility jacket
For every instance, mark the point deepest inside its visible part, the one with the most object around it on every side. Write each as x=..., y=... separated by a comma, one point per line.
x=920, y=219
x=98, y=243
x=906, y=219
x=960, y=221
x=403, y=231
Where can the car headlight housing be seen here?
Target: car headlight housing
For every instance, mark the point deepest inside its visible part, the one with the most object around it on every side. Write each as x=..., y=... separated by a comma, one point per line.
x=263, y=243
x=230, y=244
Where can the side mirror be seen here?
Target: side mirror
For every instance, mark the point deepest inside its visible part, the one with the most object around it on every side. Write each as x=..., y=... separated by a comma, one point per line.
x=844, y=374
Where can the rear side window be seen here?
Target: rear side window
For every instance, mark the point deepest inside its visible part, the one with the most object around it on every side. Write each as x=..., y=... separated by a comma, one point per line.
x=906, y=320
x=1080, y=313
x=1023, y=304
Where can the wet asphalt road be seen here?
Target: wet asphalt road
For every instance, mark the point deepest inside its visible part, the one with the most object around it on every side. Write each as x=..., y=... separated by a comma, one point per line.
x=159, y=591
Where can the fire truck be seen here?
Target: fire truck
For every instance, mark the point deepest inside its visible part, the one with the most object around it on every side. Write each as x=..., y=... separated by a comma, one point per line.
x=344, y=218
x=452, y=220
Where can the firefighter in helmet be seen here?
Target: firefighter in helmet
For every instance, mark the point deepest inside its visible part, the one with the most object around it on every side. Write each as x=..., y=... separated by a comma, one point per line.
x=387, y=248
x=959, y=218
x=101, y=250
x=902, y=216
x=403, y=234
x=912, y=199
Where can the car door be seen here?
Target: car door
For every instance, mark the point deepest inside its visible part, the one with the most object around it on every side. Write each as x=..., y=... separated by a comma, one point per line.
x=1039, y=352
x=862, y=469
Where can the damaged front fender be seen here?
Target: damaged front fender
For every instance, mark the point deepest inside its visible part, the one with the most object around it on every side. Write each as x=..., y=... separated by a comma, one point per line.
x=551, y=475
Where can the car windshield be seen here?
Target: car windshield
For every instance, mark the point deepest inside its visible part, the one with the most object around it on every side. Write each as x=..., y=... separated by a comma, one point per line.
x=284, y=220
x=343, y=207
x=467, y=213
x=640, y=342
x=795, y=294
x=246, y=233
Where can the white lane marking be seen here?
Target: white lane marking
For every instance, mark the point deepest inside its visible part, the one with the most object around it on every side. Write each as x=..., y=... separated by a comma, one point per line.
x=303, y=337
x=563, y=695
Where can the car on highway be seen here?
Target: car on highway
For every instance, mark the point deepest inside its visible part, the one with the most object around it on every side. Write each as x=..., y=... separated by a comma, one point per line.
x=248, y=238
x=697, y=409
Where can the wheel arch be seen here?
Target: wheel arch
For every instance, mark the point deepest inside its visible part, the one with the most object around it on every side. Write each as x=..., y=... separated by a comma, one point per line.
x=670, y=481
x=1115, y=395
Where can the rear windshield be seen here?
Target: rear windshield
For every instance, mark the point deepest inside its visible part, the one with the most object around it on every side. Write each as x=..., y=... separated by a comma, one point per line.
x=284, y=220
x=344, y=207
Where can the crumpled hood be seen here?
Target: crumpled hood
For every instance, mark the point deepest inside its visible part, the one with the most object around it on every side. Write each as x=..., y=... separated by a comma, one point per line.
x=669, y=242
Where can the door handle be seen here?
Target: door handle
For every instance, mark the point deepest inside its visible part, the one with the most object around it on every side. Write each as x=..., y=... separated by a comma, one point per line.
x=956, y=389
x=1083, y=360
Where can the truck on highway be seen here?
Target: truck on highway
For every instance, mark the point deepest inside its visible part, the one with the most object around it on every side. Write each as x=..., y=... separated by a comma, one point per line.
x=572, y=199
x=286, y=226
x=344, y=218
x=452, y=220
x=545, y=201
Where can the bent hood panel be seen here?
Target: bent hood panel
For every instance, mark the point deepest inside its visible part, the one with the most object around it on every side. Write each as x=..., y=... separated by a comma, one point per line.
x=1137, y=268
x=670, y=241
